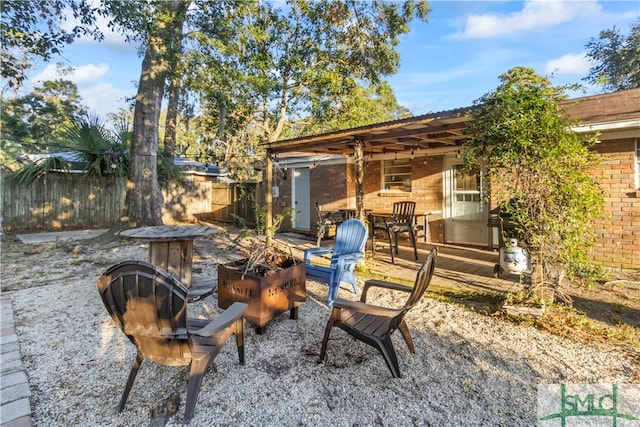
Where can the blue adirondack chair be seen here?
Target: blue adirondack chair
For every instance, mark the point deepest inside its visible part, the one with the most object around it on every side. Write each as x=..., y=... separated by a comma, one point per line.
x=351, y=237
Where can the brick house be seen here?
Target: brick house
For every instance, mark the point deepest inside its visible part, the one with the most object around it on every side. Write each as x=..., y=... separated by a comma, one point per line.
x=418, y=159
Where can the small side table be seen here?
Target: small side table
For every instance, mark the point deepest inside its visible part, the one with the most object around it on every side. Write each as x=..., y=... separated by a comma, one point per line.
x=171, y=246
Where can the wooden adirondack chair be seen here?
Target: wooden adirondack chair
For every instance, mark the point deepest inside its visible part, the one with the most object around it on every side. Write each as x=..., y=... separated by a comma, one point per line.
x=150, y=306
x=374, y=325
x=351, y=238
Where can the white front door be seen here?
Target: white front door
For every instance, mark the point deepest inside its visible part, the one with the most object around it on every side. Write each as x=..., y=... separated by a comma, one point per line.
x=301, y=199
x=466, y=215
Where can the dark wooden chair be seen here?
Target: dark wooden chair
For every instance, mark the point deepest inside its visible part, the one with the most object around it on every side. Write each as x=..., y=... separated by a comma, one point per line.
x=150, y=306
x=351, y=238
x=374, y=325
x=402, y=221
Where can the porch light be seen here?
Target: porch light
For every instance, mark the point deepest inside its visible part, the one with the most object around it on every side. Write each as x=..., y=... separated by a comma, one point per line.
x=258, y=165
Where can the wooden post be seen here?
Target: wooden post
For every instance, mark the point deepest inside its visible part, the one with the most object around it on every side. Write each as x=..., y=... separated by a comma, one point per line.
x=359, y=162
x=268, y=197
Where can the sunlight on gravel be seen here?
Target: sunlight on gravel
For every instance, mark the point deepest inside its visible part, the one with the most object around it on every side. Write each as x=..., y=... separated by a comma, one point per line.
x=469, y=369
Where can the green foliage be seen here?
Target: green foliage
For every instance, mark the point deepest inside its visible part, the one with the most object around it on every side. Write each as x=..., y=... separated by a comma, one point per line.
x=537, y=170
x=265, y=65
x=251, y=66
x=359, y=107
x=99, y=151
x=261, y=220
x=37, y=119
x=169, y=173
x=102, y=151
x=616, y=59
x=260, y=228
x=38, y=170
x=35, y=29
x=260, y=214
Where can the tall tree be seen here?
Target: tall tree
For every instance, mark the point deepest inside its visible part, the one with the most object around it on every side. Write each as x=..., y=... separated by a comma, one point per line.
x=359, y=107
x=143, y=201
x=264, y=64
x=537, y=169
x=616, y=59
x=175, y=89
x=36, y=120
x=285, y=62
x=29, y=30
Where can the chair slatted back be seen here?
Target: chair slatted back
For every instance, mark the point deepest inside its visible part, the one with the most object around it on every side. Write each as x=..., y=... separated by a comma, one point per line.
x=403, y=213
x=150, y=306
x=351, y=237
x=423, y=278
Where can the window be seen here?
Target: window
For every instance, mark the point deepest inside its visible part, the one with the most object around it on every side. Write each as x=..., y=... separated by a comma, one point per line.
x=397, y=175
x=466, y=195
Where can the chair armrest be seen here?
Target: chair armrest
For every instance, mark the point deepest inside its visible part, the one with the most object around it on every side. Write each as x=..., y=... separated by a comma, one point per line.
x=364, y=308
x=315, y=252
x=354, y=257
x=226, y=319
x=383, y=284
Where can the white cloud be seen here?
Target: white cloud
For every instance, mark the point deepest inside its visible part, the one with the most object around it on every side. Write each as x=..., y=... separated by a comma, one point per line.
x=536, y=14
x=113, y=39
x=97, y=96
x=81, y=75
x=104, y=98
x=569, y=64
x=50, y=72
x=90, y=73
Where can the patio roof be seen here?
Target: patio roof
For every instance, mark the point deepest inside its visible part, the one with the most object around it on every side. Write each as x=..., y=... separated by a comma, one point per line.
x=445, y=128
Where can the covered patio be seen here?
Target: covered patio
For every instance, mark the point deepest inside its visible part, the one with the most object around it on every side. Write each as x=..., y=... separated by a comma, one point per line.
x=419, y=159
x=426, y=135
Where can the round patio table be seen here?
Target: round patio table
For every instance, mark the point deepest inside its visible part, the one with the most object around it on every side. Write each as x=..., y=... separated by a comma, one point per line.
x=171, y=246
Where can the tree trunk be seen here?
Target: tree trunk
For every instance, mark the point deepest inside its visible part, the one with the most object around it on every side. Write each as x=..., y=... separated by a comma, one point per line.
x=143, y=201
x=172, y=119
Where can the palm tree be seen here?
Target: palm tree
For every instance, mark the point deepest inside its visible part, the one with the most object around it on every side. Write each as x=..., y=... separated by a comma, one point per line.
x=99, y=151
x=103, y=152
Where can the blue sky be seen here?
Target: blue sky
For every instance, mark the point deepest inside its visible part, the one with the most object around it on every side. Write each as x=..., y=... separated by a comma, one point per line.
x=448, y=62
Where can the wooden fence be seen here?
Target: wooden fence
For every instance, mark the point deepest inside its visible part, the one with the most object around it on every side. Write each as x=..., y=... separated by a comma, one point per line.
x=69, y=201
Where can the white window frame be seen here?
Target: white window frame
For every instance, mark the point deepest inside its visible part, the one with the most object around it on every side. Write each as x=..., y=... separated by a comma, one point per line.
x=474, y=196
x=400, y=177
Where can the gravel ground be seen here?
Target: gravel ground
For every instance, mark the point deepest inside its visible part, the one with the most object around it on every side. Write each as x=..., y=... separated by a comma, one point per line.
x=469, y=369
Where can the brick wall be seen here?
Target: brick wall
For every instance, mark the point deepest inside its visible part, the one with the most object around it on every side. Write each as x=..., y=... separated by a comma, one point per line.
x=329, y=184
x=426, y=191
x=618, y=243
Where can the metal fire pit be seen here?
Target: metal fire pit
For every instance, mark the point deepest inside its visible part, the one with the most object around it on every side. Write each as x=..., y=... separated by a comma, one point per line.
x=267, y=297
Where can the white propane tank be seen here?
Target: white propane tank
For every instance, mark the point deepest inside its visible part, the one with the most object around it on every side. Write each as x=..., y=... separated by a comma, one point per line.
x=513, y=258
